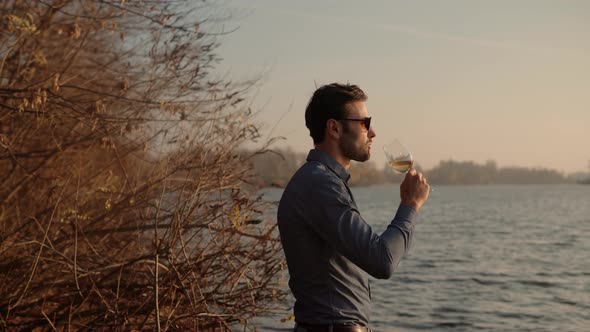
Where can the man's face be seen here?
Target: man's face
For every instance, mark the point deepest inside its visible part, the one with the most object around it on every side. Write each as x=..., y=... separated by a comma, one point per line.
x=355, y=142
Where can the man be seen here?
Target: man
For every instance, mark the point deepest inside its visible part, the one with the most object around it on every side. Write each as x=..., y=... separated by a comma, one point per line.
x=329, y=247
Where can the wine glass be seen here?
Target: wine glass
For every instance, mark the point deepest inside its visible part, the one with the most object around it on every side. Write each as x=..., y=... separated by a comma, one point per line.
x=399, y=157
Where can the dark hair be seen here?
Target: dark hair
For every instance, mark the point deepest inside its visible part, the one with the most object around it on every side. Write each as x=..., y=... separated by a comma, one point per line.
x=329, y=102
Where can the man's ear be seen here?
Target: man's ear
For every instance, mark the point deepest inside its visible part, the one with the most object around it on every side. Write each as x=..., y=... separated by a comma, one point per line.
x=333, y=128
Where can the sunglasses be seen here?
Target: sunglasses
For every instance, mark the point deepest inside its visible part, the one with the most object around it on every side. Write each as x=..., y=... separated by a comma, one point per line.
x=366, y=121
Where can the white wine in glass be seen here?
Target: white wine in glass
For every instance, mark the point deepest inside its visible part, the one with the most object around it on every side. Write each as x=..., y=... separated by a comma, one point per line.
x=402, y=166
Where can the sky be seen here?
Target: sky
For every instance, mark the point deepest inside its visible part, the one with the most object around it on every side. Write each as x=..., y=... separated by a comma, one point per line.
x=465, y=80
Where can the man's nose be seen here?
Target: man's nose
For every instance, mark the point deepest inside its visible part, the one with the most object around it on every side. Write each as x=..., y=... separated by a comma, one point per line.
x=372, y=132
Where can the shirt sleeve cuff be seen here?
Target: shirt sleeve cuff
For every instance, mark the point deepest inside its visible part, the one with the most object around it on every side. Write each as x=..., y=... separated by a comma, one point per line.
x=405, y=213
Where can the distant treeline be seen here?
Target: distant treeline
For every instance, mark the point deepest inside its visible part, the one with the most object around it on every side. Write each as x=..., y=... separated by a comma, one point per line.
x=468, y=172
x=275, y=168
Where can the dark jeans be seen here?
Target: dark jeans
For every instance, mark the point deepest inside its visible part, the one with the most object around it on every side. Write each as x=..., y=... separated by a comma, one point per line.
x=329, y=328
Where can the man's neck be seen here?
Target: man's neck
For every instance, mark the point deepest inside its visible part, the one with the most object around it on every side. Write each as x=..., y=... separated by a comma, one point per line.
x=334, y=152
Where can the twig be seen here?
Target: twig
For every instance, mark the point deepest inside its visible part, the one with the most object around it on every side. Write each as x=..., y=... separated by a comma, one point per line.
x=40, y=249
x=156, y=290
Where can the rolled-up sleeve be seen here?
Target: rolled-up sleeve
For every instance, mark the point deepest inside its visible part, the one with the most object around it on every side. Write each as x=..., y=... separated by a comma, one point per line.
x=338, y=222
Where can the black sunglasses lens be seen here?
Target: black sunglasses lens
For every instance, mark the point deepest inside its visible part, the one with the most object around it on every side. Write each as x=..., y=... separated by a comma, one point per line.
x=367, y=123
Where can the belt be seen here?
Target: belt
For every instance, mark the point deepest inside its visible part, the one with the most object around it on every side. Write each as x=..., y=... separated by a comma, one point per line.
x=299, y=327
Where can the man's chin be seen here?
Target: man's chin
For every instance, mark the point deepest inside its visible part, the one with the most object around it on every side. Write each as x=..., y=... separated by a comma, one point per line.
x=363, y=158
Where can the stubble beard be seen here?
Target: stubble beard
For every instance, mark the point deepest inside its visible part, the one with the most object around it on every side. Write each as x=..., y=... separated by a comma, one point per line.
x=352, y=150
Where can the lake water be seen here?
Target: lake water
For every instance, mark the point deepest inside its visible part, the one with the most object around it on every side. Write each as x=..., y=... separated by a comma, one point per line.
x=485, y=258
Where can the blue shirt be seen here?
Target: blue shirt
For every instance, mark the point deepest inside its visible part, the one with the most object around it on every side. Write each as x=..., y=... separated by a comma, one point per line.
x=330, y=249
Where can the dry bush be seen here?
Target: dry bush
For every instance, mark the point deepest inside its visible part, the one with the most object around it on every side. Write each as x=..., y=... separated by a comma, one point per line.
x=124, y=203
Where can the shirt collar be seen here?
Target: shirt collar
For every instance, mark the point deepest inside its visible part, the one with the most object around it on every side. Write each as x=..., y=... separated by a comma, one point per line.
x=332, y=164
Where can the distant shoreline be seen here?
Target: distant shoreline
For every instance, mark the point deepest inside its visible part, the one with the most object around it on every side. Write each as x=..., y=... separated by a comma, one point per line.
x=276, y=169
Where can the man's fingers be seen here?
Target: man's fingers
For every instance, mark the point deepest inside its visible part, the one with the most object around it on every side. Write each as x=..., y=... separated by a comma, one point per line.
x=417, y=179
